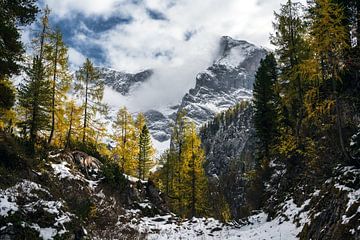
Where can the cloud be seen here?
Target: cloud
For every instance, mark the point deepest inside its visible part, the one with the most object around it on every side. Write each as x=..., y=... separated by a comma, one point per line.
x=177, y=39
x=76, y=58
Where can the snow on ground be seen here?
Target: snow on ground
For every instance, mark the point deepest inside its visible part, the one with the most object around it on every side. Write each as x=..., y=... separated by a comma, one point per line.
x=63, y=171
x=257, y=227
x=160, y=147
x=24, y=197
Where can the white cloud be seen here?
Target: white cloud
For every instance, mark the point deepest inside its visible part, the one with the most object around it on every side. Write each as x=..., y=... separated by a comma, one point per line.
x=161, y=45
x=75, y=57
x=66, y=8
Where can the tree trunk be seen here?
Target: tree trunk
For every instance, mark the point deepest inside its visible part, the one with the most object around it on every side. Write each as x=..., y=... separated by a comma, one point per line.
x=54, y=91
x=86, y=104
x=193, y=181
x=67, y=145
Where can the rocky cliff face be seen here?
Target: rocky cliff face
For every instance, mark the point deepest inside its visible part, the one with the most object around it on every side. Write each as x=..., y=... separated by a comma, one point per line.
x=123, y=82
x=229, y=141
x=227, y=82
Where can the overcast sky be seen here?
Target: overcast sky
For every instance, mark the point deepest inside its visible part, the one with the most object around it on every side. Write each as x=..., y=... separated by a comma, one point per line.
x=177, y=38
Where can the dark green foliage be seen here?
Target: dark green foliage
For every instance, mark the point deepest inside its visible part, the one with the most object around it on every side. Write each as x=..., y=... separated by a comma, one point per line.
x=7, y=96
x=265, y=115
x=113, y=175
x=145, y=153
x=35, y=99
x=13, y=13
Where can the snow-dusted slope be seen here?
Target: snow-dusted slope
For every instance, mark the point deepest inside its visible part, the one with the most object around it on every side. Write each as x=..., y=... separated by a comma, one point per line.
x=123, y=82
x=228, y=81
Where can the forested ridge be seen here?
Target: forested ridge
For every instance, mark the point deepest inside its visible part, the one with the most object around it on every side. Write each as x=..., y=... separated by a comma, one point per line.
x=297, y=136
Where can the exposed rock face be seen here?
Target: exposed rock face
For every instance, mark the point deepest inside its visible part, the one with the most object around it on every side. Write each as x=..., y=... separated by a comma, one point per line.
x=159, y=124
x=123, y=82
x=228, y=81
x=229, y=141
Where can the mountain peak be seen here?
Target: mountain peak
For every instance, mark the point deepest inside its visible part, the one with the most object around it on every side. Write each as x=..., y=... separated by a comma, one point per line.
x=234, y=52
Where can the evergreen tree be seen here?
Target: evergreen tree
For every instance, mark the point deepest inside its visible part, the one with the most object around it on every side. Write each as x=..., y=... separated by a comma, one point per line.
x=146, y=153
x=7, y=101
x=34, y=97
x=34, y=92
x=13, y=14
x=91, y=90
x=265, y=115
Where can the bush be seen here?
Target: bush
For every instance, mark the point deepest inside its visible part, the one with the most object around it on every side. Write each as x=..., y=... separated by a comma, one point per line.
x=113, y=175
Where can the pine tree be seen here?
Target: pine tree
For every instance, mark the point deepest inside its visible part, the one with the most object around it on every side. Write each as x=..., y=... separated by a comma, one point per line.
x=146, y=153
x=34, y=92
x=34, y=97
x=91, y=90
x=13, y=14
x=265, y=115
x=56, y=56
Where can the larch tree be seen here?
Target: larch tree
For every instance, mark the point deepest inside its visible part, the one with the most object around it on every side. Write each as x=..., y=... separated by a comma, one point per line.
x=194, y=174
x=291, y=49
x=126, y=149
x=328, y=42
x=56, y=54
x=72, y=118
x=91, y=89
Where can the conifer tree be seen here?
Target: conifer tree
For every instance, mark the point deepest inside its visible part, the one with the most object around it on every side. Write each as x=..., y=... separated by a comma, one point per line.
x=7, y=101
x=72, y=121
x=91, y=90
x=13, y=14
x=328, y=41
x=291, y=49
x=126, y=149
x=194, y=174
x=34, y=97
x=57, y=58
x=265, y=115
x=35, y=91
x=146, y=153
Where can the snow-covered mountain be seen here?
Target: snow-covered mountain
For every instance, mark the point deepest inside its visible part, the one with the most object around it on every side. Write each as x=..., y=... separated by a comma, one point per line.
x=123, y=82
x=226, y=82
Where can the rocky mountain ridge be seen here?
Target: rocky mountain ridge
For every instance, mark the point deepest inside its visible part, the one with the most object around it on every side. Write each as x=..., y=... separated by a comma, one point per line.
x=225, y=83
